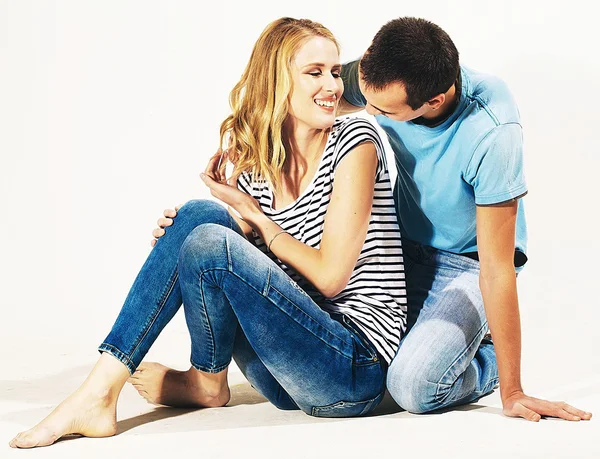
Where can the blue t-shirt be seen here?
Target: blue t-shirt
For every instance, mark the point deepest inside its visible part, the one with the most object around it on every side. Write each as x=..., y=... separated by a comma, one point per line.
x=474, y=157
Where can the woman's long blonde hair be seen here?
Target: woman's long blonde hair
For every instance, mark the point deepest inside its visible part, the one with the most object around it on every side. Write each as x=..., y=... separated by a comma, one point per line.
x=260, y=100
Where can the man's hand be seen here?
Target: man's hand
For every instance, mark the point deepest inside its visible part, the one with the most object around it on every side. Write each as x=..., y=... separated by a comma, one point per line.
x=163, y=222
x=520, y=405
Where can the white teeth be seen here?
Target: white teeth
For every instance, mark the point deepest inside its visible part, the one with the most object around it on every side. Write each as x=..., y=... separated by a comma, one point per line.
x=325, y=103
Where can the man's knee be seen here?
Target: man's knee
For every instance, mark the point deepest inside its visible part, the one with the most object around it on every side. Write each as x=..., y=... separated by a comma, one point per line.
x=411, y=385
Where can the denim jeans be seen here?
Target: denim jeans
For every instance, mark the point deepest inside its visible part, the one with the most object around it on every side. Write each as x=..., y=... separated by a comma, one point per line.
x=237, y=302
x=443, y=360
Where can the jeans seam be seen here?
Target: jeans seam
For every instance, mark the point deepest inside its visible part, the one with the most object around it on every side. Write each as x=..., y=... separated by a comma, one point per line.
x=440, y=397
x=282, y=310
x=312, y=320
x=161, y=303
x=211, y=369
x=119, y=355
x=206, y=325
x=229, y=261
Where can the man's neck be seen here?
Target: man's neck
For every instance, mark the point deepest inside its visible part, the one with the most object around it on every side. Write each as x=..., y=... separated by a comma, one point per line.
x=445, y=109
x=452, y=99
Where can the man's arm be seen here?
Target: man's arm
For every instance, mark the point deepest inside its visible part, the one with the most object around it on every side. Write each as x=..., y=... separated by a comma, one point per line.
x=346, y=108
x=496, y=246
x=352, y=101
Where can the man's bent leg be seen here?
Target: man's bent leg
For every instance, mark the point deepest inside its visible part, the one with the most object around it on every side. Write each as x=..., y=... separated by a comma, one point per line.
x=442, y=361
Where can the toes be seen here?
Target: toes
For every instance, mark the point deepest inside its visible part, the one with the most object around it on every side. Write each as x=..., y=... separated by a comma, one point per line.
x=14, y=443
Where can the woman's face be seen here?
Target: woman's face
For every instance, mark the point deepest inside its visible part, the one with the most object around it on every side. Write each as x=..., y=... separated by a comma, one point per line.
x=317, y=86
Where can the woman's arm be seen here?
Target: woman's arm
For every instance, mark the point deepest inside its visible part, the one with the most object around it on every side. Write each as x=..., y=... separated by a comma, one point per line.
x=345, y=229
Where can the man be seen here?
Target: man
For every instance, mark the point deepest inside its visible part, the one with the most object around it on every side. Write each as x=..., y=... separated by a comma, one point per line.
x=457, y=141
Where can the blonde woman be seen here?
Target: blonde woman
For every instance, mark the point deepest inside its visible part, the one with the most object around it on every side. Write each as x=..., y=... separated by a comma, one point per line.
x=301, y=281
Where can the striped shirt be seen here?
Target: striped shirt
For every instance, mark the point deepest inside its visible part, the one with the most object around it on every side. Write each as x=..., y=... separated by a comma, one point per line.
x=375, y=297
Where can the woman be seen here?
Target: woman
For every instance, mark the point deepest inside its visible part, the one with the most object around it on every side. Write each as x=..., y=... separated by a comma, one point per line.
x=303, y=286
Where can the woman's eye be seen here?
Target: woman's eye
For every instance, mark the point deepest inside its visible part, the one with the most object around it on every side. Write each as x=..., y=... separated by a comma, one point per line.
x=315, y=74
x=336, y=74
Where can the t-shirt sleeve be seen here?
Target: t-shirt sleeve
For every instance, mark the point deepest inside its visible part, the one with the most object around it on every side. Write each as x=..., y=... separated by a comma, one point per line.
x=352, y=134
x=496, y=168
x=351, y=89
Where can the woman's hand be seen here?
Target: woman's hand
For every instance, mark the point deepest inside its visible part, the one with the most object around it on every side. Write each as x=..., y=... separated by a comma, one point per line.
x=244, y=204
x=215, y=168
x=163, y=222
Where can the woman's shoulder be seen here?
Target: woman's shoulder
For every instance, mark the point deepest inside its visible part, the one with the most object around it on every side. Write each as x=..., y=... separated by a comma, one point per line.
x=347, y=124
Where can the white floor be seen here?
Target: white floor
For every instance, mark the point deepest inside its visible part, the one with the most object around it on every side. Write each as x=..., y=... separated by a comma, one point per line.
x=251, y=427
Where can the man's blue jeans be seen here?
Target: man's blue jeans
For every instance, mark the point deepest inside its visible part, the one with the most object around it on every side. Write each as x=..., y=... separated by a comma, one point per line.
x=239, y=303
x=443, y=360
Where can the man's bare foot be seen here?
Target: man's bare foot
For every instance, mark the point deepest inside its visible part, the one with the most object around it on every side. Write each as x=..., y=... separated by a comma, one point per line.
x=81, y=413
x=161, y=385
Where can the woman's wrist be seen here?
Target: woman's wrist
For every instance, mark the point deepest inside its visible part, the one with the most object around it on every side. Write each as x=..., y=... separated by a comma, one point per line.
x=256, y=219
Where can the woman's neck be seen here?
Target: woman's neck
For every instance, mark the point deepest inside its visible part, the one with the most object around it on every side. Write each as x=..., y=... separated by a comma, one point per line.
x=304, y=147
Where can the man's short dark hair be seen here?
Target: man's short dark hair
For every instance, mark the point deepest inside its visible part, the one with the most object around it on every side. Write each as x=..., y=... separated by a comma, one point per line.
x=414, y=52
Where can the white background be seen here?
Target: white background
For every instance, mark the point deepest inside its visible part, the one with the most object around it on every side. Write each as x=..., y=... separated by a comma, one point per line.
x=109, y=111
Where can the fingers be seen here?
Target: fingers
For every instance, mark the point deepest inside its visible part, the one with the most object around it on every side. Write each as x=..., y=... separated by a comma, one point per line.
x=217, y=165
x=177, y=208
x=586, y=416
x=555, y=410
x=559, y=410
x=170, y=213
x=214, y=163
x=164, y=222
x=158, y=232
x=520, y=410
x=221, y=171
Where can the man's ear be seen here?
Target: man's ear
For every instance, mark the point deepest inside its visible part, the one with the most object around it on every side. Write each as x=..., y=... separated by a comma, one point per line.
x=437, y=101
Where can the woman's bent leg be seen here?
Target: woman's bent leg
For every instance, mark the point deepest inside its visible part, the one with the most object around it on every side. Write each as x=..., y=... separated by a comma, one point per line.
x=322, y=365
x=152, y=302
x=259, y=375
x=155, y=295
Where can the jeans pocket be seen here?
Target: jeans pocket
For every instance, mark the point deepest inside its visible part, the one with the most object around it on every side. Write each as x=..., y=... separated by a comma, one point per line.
x=343, y=409
x=364, y=352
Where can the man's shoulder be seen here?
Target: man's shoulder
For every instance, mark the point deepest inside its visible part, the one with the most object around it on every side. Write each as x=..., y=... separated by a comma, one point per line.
x=492, y=94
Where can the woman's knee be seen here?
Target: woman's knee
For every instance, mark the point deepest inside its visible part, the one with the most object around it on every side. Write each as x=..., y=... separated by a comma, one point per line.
x=199, y=211
x=205, y=247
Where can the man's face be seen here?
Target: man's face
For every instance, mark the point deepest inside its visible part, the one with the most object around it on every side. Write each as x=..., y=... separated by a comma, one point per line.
x=390, y=101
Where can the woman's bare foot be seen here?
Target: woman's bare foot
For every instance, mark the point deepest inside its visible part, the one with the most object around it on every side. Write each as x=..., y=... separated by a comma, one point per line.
x=90, y=411
x=161, y=385
x=90, y=416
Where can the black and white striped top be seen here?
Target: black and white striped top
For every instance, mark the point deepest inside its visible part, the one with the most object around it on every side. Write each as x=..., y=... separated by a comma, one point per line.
x=375, y=297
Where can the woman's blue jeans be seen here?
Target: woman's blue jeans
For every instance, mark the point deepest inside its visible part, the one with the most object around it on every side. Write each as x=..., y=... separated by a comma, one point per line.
x=239, y=303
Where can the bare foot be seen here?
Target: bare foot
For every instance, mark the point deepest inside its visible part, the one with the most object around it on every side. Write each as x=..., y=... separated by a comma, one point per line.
x=161, y=385
x=81, y=413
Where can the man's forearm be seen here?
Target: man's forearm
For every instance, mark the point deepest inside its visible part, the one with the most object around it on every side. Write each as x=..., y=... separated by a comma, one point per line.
x=502, y=310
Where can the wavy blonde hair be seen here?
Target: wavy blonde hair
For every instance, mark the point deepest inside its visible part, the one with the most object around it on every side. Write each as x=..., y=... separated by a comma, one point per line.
x=260, y=100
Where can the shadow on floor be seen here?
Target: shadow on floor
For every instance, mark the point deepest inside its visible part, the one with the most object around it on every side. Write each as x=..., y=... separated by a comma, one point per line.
x=247, y=408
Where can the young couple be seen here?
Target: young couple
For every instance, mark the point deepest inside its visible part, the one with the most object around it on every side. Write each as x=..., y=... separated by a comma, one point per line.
x=305, y=280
